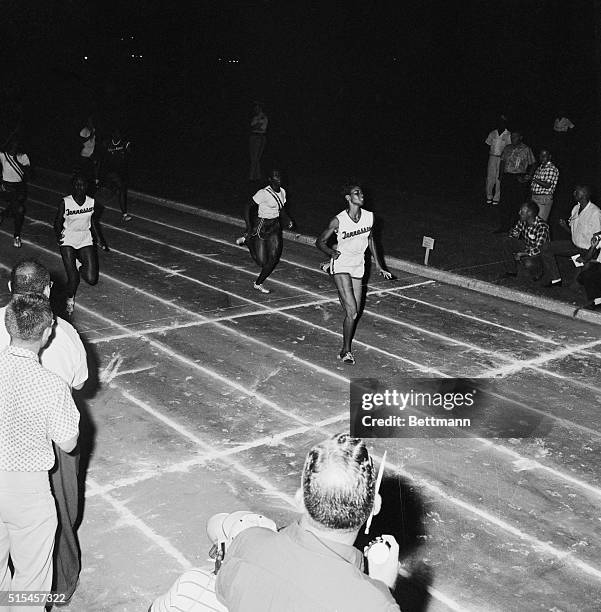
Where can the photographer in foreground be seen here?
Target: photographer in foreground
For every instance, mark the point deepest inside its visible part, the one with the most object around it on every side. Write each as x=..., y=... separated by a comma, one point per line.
x=311, y=565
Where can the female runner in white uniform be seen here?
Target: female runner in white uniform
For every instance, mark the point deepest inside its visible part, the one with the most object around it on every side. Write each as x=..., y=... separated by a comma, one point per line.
x=264, y=237
x=353, y=227
x=77, y=231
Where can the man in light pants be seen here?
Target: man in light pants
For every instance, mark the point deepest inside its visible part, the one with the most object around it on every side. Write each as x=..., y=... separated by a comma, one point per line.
x=36, y=409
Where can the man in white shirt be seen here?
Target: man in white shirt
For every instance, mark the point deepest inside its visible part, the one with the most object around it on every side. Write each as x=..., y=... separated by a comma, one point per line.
x=497, y=140
x=583, y=224
x=64, y=355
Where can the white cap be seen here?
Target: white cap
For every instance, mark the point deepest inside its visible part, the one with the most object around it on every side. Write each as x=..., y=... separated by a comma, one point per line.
x=224, y=527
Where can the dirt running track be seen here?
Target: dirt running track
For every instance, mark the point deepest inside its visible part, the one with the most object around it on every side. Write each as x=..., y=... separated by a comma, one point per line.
x=205, y=396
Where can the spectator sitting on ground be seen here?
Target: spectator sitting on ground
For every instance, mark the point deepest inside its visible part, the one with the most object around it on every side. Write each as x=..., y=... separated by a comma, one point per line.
x=584, y=222
x=590, y=275
x=525, y=241
x=311, y=564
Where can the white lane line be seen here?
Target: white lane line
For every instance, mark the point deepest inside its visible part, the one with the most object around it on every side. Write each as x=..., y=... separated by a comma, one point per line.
x=538, y=545
x=173, y=272
x=184, y=432
x=534, y=464
x=215, y=454
x=129, y=518
x=201, y=319
x=513, y=368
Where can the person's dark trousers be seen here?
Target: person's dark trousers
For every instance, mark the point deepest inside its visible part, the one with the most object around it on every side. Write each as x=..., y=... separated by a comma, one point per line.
x=590, y=279
x=65, y=486
x=532, y=263
x=513, y=194
x=557, y=248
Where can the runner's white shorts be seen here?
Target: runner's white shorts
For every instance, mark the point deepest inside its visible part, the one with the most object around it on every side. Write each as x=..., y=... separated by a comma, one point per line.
x=343, y=266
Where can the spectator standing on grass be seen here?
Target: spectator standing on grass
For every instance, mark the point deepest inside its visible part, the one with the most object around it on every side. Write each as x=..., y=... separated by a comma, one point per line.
x=312, y=565
x=583, y=224
x=525, y=241
x=15, y=169
x=115, y=169
x=36, y=408
x=64, y=355
x=497, y=140
x=517, y=160
x=543, y=183
x=257, y=138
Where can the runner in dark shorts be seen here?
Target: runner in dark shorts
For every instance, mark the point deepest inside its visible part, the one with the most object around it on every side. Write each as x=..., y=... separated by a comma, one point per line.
x=15, y=168
x=115, y=169
x=264, y=235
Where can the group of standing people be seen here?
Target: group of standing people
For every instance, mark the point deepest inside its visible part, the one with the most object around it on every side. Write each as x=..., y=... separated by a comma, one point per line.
x=524, y=188
x=514, y=175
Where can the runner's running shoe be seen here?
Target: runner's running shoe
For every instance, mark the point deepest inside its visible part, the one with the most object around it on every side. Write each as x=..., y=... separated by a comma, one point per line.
x=17, y=242
x=347, y=358
x=240, y=241
x=326, y=267
x=70, y=306
x=126, y=217
x=261, y=288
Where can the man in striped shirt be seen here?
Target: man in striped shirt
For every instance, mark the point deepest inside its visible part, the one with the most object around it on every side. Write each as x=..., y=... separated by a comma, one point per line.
x=543, y=184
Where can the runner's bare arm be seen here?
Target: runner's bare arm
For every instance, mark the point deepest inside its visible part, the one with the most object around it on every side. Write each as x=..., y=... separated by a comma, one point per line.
x=288, y=221
x=322, y=242
x=59, y=221
x=374, y=251
x=97, y=230
x=247, y=208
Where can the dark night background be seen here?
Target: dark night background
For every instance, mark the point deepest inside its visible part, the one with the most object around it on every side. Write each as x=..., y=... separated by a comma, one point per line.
x=366, y=87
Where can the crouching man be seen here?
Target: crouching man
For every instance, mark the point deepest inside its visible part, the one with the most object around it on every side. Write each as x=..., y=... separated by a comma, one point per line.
x=524, y=243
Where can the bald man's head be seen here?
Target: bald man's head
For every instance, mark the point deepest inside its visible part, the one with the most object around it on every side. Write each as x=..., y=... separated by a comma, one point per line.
x=29, y=276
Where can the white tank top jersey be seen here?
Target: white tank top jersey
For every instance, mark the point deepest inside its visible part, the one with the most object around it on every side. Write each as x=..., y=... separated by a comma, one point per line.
x=77, y=222
x=270, y=202
x=353, y=238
